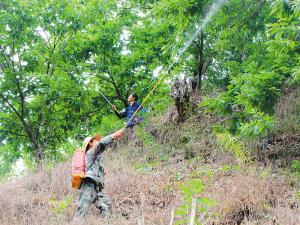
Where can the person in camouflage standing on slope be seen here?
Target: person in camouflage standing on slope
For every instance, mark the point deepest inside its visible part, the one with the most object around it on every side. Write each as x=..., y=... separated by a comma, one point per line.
x=93, y=184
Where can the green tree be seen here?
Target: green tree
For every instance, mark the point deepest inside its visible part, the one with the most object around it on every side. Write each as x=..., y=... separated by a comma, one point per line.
x=45, y=95
x=252, y=93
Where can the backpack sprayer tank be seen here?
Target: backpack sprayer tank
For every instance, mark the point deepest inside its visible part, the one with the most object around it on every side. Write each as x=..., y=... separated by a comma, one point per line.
x=78, y=168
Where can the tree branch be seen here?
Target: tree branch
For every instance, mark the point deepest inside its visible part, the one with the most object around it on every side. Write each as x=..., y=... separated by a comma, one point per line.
x=22, y=98
x=196, y=43
x=10, y=106
x=21, y=118
x=119, y=95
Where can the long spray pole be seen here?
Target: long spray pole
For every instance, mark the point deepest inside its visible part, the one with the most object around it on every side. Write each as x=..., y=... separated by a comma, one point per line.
x=108, y=101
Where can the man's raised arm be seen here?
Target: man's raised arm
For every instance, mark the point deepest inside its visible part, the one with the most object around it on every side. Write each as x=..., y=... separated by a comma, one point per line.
x=104, y=142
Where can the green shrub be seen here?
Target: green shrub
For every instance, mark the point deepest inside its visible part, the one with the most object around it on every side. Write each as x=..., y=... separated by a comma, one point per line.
x=233, y=145
x=59, y=207
x=190, y=190
x=295, y=166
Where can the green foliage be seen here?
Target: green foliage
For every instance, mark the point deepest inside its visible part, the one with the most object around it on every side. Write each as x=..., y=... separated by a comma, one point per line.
x=143, y=167
x=249, y=101
x=40, y=89
x=260, y=125
x=56, y=55
x=229, y=168
x=295, y=166
x=297, y=196
x=192, y=189
x=253, y=91
x=59, y=207
x=6, y=160
x=231, y=144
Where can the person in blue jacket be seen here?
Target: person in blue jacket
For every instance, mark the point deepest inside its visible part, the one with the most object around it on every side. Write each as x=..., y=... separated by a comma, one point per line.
x=129, y=111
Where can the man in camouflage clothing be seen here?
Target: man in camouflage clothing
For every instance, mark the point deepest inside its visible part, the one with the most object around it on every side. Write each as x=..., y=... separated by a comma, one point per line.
x=93, y=184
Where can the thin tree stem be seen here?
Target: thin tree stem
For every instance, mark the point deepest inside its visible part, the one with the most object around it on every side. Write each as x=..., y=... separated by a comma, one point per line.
x=193, y=212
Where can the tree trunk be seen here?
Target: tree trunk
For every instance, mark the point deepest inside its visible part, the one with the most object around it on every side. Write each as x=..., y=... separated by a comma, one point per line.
x=181, y=93
x=39, y=156
x=197, y=80
x=28, y=129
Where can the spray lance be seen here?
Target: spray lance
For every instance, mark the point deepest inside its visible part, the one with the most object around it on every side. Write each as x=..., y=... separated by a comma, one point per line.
x=108, y=101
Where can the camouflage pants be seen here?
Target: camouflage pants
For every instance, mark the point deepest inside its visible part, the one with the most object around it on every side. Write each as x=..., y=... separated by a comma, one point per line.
x=90, y=193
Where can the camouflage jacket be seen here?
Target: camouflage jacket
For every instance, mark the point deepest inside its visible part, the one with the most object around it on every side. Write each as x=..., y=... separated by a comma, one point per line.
x=94, y=162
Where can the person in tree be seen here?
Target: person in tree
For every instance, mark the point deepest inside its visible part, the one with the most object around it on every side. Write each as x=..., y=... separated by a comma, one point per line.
x=129, y=111
x=91, y=190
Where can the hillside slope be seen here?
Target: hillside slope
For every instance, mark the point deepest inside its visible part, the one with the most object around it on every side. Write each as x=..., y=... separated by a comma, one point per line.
x=153, y=178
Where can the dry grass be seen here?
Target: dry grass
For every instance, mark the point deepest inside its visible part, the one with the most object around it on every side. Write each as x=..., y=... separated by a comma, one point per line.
x=244, y=196
x=192, y=138
x=39, y=199
x=283, y=146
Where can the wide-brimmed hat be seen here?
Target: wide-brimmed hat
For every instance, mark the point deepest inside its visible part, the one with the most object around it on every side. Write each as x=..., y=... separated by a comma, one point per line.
x=88, y=139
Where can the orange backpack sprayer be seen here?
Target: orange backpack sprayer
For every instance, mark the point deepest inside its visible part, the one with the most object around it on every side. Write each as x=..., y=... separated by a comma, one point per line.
x=78, y=168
